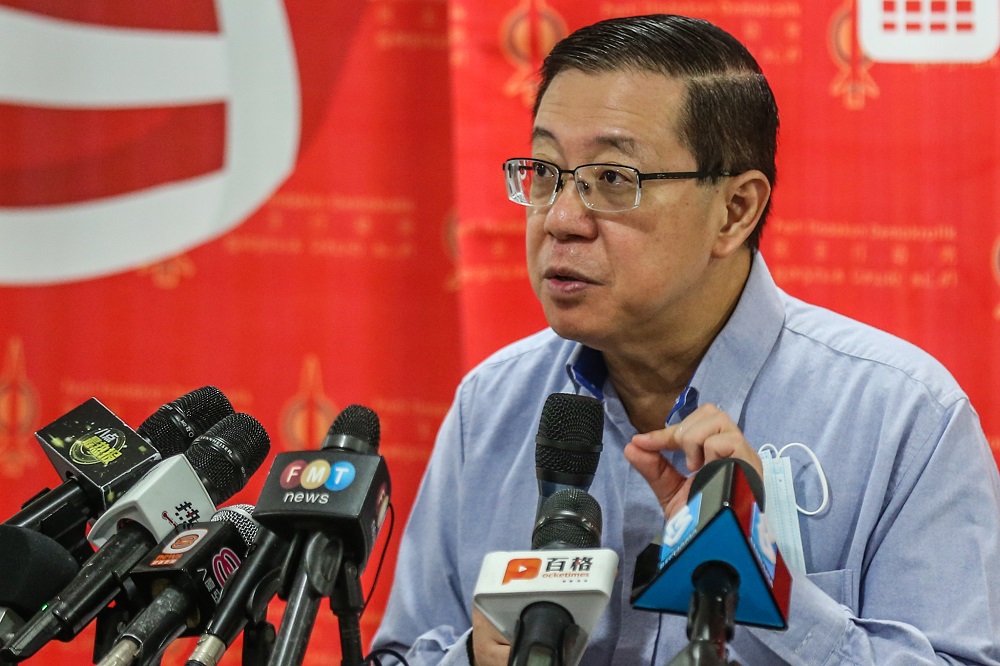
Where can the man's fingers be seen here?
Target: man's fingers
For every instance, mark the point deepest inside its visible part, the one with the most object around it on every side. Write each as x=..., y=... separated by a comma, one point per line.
x=657, y=440
x=656, y=470
x=732, y=445
x=706, y=434
x=489, y=645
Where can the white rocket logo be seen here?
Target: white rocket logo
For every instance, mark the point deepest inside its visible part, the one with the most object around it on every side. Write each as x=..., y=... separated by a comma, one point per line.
x=71, y=210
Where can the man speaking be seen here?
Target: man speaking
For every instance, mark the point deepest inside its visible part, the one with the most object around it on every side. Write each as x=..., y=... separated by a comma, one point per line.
x=646, y=191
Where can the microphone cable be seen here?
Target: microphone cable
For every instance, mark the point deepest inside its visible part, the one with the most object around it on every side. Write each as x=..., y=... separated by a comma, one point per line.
x=381, y=559
x=374, y=660
x=373, y=657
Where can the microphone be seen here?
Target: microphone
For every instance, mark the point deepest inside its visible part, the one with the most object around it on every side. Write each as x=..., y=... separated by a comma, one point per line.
x=179, y=490
x=43, y=567
x=567, y=451
x=101, y=457
x=568, y=444
x=176, y=424
x=548, y=600
x=182, y=580
x=718, y=562
x=245, y=599
x=329, y=504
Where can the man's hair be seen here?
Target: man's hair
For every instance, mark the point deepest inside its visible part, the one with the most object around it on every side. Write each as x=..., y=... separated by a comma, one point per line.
x=730, y=119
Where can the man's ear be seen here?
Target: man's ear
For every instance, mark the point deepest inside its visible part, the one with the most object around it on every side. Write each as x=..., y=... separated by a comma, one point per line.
x=745, y=196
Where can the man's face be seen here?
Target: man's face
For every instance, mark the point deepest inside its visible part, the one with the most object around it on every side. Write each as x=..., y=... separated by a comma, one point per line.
x=615, y=280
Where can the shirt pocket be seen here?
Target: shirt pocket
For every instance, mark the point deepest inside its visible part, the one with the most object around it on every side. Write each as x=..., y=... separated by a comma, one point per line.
x=838, y=584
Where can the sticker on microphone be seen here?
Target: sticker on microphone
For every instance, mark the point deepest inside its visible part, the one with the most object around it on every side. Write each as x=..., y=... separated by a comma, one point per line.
x=224, y=564
x=679, y=529
x=522, y=569
x=185, y=541
x=342, y=474
x=762, y=539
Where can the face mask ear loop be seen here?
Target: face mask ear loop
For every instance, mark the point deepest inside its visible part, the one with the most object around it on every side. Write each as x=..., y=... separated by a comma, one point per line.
x=819, y=470
x=768, y=447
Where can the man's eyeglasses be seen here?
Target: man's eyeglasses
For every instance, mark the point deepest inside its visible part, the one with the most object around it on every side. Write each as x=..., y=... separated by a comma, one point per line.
x=607, y=188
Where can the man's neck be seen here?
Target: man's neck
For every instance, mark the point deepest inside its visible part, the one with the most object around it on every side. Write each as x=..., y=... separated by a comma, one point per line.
x=648, y=380
x=647, y=389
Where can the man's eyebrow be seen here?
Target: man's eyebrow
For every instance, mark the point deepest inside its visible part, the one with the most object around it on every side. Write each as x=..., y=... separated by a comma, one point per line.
x=542, y=133
x=622, y=144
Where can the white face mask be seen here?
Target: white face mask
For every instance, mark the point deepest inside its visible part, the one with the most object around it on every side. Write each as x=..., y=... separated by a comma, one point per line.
x=782, y=508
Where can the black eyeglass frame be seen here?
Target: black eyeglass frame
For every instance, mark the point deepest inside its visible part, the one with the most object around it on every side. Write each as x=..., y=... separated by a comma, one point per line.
x=640, y=176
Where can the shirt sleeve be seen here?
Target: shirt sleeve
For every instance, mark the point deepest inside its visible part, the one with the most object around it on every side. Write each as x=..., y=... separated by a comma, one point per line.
x=930, y=585
x=426, y=618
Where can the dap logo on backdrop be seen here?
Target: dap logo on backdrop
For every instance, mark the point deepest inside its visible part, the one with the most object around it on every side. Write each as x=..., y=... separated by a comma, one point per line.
x=315, y=479
x=929, y=31
x=152, y=132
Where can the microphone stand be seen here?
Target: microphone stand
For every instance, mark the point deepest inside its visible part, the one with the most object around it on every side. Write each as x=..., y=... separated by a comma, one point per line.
x=259, y=634
x=347, y=602
x=314, y=579
x=258, y=643
x=711, y=614
x=112, y=619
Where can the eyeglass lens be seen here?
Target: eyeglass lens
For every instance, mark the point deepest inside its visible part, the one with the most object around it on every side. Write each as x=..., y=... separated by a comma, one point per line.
x=603, y=187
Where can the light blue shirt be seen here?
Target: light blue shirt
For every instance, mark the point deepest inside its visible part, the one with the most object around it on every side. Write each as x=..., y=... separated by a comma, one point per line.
x=903, y=564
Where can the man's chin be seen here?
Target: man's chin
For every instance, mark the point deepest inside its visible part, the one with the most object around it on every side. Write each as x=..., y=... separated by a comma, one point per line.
x=578, y=331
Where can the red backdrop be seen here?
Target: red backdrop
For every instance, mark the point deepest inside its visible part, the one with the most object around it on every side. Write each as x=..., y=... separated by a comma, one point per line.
x=301, y=204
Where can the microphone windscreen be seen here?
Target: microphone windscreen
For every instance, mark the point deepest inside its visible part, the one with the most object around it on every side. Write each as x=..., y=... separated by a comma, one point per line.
x=570, y=518
x=173, y=426
x=241, y=516
x=355, y=428
x=228, y=454
x=569, y=434
x=36, y=569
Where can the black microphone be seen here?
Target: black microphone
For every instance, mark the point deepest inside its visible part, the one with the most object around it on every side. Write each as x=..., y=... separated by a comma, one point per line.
x=548, y=600
x=569, y=519
x=176, y=424
x=547, y=632
x=43, y=567
x=544, y=624
x=181, y=489
x=568, y=444
x=329, y=504
x=718, y=563
x=244, y=601
x=182, y=580
x=101, y=457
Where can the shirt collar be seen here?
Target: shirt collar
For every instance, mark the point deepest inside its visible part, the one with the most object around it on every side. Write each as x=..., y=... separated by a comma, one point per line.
x=730, y=367
x=734, y=359
x=587, y=370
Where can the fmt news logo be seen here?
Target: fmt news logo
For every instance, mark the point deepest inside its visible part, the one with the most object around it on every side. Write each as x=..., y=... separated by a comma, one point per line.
x=315, y=479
